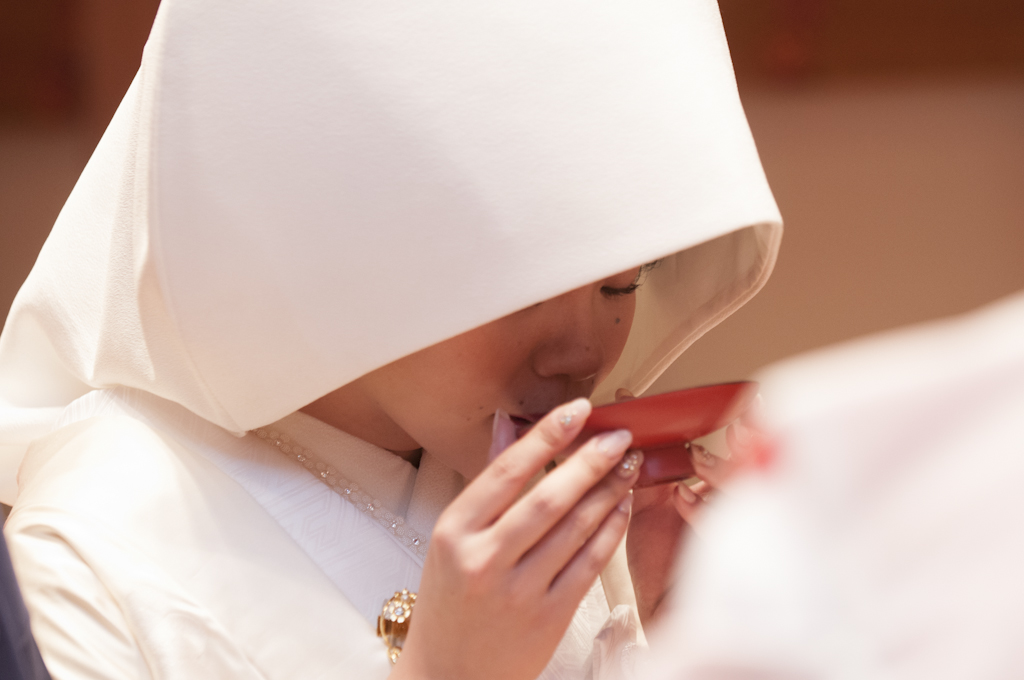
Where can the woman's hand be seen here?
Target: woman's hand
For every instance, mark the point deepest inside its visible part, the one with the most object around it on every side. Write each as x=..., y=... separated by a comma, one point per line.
x=504, y=574
x=661, y=513
x=745, y=440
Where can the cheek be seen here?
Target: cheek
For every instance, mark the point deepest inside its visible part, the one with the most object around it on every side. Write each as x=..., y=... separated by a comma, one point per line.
x=621, y=322
x=481, y=362
x=458, y=383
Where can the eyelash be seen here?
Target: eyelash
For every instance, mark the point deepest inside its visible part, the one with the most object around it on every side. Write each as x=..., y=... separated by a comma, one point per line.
x=608, y=291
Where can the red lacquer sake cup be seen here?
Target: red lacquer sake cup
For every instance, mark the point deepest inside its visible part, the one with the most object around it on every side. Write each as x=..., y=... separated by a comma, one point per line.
x=663, y=425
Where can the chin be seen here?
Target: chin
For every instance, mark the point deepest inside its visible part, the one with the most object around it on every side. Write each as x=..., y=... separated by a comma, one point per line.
x=466, y=455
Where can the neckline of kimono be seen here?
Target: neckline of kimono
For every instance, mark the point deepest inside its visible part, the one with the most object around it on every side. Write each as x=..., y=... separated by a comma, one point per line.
x=347, y=489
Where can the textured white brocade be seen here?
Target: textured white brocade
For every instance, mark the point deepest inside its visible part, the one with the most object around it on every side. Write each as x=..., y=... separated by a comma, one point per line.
x=616, y=646
x=155, y=610
x=592, y=648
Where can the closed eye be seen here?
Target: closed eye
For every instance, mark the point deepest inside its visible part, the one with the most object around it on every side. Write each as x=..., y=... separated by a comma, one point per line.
x=613, y=292
x=609, y=291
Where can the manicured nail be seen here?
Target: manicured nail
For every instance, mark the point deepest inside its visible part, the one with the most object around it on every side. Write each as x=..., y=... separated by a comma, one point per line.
x=630, y=464
x=743, y=433
x=626, y=504
x=574, y=412
x=703, y=456
x=684, y=492
x=613, y=444
x=755, y=412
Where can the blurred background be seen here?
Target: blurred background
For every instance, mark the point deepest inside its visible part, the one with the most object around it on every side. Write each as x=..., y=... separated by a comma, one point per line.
x=892, y=132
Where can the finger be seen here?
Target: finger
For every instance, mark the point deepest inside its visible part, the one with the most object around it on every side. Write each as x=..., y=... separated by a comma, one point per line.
x=746, y=438
x=622, y=394
x=736, y=437
x=709, y=467
x=554, y=550
x=702, y=489
x=579, y=574
x=753, y=416
x=687, y=503
x=532, y=516
x=740, y=440
x=494, y=489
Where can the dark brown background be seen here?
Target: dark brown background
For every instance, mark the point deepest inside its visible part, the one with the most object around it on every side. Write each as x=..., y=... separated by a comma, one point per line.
x=892, y=132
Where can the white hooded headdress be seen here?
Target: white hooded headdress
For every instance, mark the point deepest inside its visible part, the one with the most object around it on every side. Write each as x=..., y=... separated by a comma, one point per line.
x=293, y=194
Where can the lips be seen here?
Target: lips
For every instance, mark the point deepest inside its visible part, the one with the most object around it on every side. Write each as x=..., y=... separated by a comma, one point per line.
x=523, y=423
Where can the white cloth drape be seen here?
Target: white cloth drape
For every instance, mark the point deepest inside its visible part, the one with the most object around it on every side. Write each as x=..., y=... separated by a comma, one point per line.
x=884, y=541
x=292, y=195
x=194, y=526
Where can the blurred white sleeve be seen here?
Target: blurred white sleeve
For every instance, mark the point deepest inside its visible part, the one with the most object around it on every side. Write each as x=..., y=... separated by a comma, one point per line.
x=78, y=625
x=882, y=538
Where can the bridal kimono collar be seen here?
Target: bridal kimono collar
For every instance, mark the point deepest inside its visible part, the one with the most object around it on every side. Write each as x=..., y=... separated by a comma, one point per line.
x=293, y=194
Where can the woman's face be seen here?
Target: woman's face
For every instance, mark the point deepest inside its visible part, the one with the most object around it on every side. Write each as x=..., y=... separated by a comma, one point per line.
x=443, y=398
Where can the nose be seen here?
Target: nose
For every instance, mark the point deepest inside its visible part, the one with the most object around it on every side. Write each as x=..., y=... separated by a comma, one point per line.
x=572, y=350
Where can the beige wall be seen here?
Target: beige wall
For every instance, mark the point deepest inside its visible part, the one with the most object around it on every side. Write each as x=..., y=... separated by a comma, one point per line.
x=903, y=198
x=42, y=151
x=38, y=168
x=903, y=202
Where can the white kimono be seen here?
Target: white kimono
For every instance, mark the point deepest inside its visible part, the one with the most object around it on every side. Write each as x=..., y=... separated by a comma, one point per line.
x=193, y=553
x=290, y=196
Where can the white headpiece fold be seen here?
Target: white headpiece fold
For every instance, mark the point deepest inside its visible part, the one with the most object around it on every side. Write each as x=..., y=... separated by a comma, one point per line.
x=293, y=194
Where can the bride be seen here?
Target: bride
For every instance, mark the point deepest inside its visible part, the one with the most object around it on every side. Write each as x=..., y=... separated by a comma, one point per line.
x=337, y=285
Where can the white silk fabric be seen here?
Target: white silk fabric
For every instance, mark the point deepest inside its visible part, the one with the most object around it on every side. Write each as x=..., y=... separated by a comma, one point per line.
x=211, y=556
x=884, y=541
x=293, y=194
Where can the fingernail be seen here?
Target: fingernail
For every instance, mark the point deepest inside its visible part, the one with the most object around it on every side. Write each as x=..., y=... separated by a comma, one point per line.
x=574, y=412
x=503, y=434
x=622, y=393
x=687, y=495
x=614, y=443
x=703, y=456
x=630, y=464
x=626, y=504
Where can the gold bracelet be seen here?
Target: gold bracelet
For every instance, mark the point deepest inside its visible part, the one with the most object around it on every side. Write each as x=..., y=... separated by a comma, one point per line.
x=393, y=622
